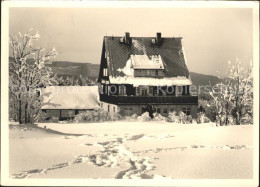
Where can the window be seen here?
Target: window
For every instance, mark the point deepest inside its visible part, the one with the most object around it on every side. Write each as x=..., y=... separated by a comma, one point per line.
x=53, y=113
x=143, y=72
x=108, y=108
x=143, y=90
x=178, y=90
x=186, y=110
x=122, y=90
x=114, y=109
x=185, y=90
x=137, y=72
x=156, y=72
x=105, y=72
x=165, y=110
x=155, y=91
x=112, y=89
x=137, y=91
x=67, y=113
x=158, y=110
x=128, y=111
x=150, y=90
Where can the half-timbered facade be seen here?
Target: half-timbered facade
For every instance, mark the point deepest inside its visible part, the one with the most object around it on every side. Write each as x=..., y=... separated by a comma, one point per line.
x=137, y=73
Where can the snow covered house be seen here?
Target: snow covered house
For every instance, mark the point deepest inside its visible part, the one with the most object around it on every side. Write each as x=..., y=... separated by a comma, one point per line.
x=64, y=102
x=138, y=74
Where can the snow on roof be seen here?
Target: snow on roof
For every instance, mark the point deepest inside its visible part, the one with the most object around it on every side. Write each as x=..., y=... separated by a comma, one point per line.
x=147, y=62
x=70, y=97
x=128, y=69
x=149, y=81
x=141, y=62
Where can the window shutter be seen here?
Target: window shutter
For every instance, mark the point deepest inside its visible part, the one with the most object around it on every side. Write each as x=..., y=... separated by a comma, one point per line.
x=137, y=91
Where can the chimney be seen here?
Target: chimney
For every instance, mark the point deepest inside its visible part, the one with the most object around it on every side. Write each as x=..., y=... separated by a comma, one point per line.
x=127, y=38
x=158, y=37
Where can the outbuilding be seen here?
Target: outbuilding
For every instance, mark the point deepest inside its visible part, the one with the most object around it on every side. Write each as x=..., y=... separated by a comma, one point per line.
x=64, y=102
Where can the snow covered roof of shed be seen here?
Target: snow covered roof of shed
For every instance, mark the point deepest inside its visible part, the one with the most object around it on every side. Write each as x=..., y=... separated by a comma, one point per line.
x=170, y=51
x=70, y=97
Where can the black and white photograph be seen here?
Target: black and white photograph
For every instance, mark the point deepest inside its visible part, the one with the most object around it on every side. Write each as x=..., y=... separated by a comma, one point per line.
x=140, y=93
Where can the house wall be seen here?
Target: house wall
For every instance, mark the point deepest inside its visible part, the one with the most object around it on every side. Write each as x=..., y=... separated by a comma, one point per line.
x=63, y=114
x=128, y=110
x=110, y=108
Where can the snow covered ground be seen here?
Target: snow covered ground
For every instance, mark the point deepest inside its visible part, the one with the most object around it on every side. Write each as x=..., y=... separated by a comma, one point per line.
x=131, y=149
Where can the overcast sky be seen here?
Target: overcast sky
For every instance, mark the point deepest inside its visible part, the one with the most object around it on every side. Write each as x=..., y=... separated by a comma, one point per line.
x=211, y=36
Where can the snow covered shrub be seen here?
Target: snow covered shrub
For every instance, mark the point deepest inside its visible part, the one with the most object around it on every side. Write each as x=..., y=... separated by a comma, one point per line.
x=104, y=116
x=173, y=117
x=42, y=117
x=208, y=108
x=202, y=118
x=115, y=116
x=144, y=117
x=211, y=111
x=183, y=118
x=202, y=105
x=80, y=117
x=194, y=121
x=53, y=119
x=159, y=117
x=96, y=116
x=231, y=120
x=189, y=119
x=88, y=116
x=247, y=119
x=134, y=116
x=180, y=118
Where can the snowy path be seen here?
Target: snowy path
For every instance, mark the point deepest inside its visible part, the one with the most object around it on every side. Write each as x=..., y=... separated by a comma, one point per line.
x=163, y=151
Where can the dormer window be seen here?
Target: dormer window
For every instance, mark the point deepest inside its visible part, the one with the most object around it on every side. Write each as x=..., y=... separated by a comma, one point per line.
x=105, y=72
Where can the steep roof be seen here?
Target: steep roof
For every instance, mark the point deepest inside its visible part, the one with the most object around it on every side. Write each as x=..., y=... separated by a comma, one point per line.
x=70, y=97
x=170, y=50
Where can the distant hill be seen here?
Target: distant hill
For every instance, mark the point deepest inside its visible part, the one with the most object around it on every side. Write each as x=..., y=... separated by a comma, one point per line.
x=202, y=80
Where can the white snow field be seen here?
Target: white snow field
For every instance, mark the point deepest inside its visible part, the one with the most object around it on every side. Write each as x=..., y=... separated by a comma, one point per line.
x=131, y=149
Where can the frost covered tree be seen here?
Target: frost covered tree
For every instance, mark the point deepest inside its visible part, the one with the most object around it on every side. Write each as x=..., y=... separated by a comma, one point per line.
x=222, y=97
x=243, y=90
x=233, y=98
x=28, y=73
